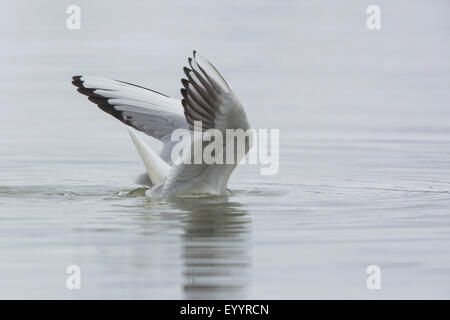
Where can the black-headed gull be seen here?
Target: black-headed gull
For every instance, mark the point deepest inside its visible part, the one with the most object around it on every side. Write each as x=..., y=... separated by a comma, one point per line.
x=206, y=98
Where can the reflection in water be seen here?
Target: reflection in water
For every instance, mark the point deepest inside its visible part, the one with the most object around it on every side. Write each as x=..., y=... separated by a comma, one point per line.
x=215, y=253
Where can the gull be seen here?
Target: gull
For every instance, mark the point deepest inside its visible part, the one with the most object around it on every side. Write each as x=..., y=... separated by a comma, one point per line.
x=207, y=98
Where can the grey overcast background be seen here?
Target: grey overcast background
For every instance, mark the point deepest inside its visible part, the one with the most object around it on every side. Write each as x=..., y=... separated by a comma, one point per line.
x=364, y=177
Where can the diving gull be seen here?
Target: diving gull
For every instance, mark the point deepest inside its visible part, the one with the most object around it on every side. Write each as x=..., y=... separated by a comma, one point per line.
x=207, y=99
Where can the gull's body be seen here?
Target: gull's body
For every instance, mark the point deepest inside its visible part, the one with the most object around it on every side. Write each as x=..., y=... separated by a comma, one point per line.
x=206, y=98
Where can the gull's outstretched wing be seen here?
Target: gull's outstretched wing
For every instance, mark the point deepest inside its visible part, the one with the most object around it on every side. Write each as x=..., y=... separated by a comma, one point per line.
x=206, y=98
x=143, y=109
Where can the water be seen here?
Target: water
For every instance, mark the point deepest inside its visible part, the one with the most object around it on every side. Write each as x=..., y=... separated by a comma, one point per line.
x=364, y=159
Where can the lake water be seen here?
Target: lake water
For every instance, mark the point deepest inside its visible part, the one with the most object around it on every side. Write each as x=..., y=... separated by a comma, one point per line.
x=364, y=178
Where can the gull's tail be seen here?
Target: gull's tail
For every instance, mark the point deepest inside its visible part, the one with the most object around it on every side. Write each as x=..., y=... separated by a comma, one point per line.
x=157, y=168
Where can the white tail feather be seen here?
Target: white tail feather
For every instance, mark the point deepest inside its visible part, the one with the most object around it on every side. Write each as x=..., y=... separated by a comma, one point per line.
x=157, y=168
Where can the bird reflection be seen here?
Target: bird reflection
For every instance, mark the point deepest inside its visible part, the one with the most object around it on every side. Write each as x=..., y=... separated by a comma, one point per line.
x=215, y=250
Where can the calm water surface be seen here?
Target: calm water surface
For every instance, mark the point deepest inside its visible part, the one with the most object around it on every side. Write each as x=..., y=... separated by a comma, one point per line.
x=364, y=175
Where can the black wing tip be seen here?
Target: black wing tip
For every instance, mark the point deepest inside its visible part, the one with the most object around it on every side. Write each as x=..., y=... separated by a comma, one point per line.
x=185, y=82
x=184, y=92
x=184, y=104
x=97, y=100
x=187, y=71
x=101, y=101
x=87, y=92
x=102, y=104
x=108, y=109
x=77, y=82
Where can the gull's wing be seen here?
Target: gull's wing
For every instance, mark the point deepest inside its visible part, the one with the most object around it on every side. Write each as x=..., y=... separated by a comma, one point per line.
x=207, y=98
x=143, y=109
